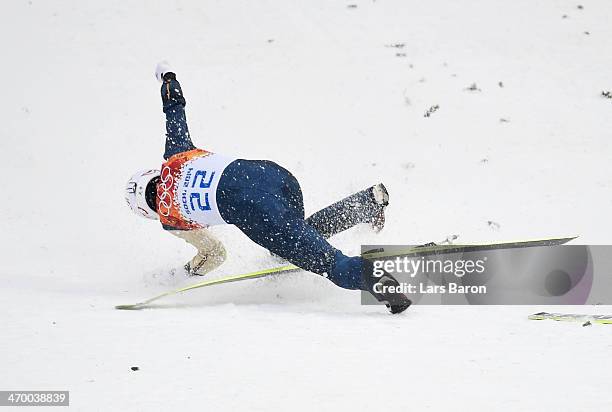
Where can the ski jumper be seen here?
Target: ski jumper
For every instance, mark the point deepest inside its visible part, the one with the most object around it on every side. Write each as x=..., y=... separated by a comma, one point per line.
x=198, y=189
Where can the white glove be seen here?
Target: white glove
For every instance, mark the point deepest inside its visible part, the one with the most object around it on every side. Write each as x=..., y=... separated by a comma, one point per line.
x=162, y=68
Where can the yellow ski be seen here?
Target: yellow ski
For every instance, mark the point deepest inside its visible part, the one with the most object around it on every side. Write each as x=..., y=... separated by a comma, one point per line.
x=235, y=278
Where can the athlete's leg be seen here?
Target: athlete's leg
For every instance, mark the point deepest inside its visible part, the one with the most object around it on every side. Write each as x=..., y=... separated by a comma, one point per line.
x=178, y=139
x=265, y=202
x=269, y=210
x=267, y=221
x=366, y=206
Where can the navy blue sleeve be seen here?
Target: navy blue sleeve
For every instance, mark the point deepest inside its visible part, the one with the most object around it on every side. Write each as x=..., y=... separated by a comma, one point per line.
x=177, y=132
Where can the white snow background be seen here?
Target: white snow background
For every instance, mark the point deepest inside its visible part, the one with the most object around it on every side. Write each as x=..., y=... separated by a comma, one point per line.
x=317, y=87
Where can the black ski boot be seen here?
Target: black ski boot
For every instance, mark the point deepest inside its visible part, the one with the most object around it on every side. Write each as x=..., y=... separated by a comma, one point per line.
x=386, y=290
x=396, y=302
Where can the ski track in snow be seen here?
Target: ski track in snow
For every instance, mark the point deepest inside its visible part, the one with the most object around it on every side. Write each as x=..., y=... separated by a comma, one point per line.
x=516, y=144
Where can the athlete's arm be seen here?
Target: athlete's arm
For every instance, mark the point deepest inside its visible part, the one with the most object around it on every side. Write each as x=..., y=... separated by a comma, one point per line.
x=177, y=132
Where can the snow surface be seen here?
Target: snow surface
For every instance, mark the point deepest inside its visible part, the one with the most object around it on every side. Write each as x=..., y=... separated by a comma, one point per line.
x=317, y=87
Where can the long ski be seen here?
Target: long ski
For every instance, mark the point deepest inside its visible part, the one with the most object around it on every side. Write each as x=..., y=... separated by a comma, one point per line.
x=374, y=254
x=463, y=248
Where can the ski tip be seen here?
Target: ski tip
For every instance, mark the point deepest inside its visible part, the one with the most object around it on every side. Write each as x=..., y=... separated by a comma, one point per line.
x=136, y=306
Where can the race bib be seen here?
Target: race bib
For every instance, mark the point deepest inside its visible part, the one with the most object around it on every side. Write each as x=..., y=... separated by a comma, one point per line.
x=196, y=192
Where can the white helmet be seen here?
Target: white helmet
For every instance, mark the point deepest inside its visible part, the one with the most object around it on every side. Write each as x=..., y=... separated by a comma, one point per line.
x=139, y=199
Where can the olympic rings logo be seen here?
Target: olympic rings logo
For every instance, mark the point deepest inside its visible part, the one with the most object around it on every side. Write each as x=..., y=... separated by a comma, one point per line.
x=166, y=184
